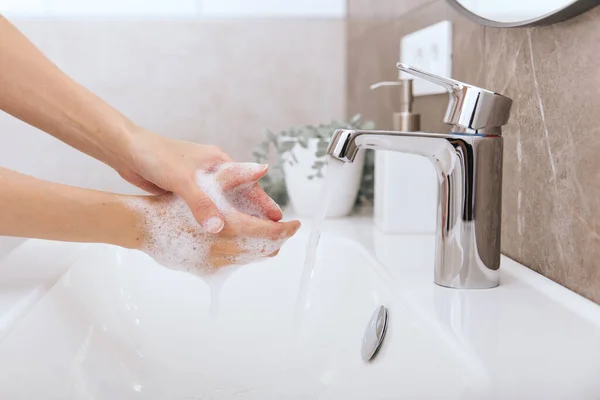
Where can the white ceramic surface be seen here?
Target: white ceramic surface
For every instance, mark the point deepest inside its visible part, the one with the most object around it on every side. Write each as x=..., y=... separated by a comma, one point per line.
x=118, y=326
x=305, y=194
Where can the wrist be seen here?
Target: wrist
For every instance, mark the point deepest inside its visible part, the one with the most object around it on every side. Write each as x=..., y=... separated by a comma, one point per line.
x=125, y=220
x=135, y=142
x=117, y=148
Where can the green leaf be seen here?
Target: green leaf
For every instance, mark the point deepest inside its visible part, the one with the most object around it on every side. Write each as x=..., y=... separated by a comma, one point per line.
x=322, y=145
x=303, y=141
x=325, y=132
x=368, y=125
x=270, y=135
x=286, y=146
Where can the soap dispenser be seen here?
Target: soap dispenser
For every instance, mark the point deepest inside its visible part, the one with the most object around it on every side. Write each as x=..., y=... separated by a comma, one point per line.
x=405, y=184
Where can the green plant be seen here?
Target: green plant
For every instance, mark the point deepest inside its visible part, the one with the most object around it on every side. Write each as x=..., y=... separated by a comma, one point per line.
x=285, y=141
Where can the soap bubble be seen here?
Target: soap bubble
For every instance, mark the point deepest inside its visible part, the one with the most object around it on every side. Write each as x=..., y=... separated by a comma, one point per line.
x=177, y=241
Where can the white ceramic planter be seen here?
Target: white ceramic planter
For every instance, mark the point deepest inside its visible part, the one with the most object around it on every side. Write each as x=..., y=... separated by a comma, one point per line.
x=305, y=194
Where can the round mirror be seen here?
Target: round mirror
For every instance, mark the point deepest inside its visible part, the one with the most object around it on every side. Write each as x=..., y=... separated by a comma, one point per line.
x=519, y=13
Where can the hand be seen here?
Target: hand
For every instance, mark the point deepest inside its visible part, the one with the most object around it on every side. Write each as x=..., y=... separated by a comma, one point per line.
x=162, y=226
x=173, y=238
x=158, y=165
x=34, y=90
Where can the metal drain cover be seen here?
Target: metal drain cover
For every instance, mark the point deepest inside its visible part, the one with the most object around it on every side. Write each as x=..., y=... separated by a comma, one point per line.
x=374, y=333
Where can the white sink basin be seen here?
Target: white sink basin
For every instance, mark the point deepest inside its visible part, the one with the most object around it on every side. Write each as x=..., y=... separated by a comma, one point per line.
x=118, y=326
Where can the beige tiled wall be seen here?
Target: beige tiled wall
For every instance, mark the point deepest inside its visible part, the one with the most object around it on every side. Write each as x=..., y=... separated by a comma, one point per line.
x=551, y=211
x=210, y=81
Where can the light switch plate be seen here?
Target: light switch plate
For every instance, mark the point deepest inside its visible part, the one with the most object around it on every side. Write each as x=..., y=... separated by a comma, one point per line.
x=429, y=49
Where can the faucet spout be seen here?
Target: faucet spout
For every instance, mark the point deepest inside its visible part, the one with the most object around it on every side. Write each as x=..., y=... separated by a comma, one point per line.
x=469, y=173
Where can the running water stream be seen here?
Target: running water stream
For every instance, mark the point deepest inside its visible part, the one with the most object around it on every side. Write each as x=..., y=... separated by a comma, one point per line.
x=335, y=169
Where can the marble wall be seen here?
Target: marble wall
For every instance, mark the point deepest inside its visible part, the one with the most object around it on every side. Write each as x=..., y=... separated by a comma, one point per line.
x=551, y=211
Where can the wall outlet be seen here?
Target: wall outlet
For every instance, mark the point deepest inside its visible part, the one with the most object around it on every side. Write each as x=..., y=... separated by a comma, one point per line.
x=429, y=49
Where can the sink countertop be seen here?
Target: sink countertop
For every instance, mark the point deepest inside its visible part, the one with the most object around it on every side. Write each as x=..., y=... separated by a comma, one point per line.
x=528, y=338
x=513, y=327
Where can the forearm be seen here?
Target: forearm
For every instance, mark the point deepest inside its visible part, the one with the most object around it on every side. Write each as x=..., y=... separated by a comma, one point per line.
x=33, y=208
x=36, y=91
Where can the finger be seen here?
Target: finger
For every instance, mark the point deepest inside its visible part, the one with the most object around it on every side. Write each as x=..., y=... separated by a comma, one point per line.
x=230, y=252
x=266, y=204
x=219, y=158
x=142, y=183
x=150, y=187
x=256, y=227
x=233, y=175
x=227, y=253
x=203, y=208
x=293, y=228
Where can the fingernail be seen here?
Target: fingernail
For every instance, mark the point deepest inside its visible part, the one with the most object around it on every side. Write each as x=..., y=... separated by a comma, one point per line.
x=255, y=167
x=214, y=225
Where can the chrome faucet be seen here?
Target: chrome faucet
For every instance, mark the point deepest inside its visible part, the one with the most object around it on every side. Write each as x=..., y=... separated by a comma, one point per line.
x=468, y=162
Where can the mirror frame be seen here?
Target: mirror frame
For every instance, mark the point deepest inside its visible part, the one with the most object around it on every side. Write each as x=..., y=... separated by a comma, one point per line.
x=575, y=8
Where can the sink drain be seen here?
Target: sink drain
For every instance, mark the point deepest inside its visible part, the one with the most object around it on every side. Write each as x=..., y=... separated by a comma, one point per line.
x=374, y=333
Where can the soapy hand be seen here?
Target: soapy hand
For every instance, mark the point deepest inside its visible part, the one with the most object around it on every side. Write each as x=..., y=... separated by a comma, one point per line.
x=159, y=165
x=174, y=239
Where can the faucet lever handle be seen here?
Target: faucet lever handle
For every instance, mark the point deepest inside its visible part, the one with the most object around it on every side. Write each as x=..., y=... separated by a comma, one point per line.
x=471, y=109
x=447, y=83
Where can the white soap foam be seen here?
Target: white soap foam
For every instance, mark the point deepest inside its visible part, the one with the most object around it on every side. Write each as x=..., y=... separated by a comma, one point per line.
x=215, y=283
x=234, y=199
x=176, y=240
x=173, y=237
x=240, y=200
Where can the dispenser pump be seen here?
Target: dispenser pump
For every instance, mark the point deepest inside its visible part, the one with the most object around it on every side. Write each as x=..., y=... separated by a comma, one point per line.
x=405, y=120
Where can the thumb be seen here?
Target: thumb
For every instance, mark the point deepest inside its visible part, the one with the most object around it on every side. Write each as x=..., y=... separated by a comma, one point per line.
x=232, y=175
x=204, y=209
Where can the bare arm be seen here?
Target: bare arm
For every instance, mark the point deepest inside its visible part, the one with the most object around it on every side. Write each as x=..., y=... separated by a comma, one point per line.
x=30, y=207
x=36, y=91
